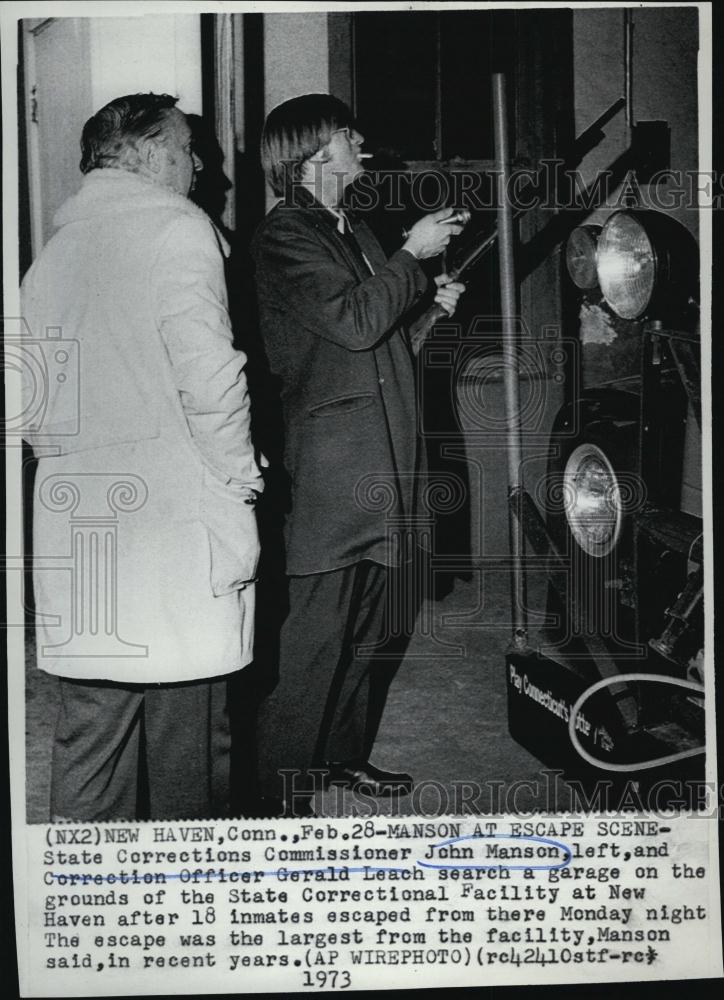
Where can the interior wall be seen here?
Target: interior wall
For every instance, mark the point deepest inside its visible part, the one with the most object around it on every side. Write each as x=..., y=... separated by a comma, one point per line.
x=73, y=66
x=296, y=61
x=665, y=43
x=156, y=52
x=295, y=56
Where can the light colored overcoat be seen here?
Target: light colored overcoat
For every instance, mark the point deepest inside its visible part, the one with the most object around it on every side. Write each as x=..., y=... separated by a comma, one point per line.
x=137, y=408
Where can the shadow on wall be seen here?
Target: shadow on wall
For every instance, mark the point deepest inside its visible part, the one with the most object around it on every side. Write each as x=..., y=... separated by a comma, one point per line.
x=212, y=184
x=210, y=193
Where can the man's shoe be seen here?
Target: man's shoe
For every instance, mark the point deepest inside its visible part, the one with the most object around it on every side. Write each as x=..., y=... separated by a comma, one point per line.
x=366, y=777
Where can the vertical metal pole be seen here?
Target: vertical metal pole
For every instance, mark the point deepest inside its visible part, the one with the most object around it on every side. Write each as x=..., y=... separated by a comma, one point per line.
x=437, y=141
x=628, y=66
x=508, y=301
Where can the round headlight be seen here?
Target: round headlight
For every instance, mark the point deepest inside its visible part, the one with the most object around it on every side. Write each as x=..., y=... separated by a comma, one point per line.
x=581, y=256
x=626, y=265
x=592, y=500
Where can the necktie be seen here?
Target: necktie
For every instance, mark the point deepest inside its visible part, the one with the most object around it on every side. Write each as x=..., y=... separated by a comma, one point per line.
x=344, y=228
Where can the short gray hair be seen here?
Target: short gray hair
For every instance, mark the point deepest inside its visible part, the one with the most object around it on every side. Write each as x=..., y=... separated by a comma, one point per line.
x=111, y=137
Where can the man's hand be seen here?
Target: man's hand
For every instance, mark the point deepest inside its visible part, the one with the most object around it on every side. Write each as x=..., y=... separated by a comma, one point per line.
x=431, y=234
x=446, y=297
x=448, y=293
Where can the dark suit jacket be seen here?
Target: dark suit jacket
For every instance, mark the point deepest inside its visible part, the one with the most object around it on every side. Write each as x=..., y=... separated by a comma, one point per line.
x=333, y=336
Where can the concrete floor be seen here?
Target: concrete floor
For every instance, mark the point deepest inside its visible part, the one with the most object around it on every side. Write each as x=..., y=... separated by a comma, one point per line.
x=445, y=719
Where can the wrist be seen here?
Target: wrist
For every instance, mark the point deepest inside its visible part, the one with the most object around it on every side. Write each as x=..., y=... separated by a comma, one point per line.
x=409, y=247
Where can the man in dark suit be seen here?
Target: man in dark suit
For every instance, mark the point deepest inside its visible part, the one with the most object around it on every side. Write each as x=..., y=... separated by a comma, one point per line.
x=332, y=313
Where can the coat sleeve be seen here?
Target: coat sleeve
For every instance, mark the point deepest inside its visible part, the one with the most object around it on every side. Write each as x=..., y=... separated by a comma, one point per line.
x=298, y=274
x=192, y=316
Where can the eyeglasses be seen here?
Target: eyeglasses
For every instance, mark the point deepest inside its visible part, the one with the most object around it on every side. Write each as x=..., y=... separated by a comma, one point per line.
x=351, y=132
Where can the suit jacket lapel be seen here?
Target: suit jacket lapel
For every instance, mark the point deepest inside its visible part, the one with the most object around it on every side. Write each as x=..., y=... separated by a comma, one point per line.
x=325, y=223
x=369, y=244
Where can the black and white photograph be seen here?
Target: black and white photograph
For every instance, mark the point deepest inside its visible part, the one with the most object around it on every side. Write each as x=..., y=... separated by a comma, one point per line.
x=358, y=437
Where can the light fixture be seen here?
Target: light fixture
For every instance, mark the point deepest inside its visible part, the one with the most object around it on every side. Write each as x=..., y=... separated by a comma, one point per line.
x=592, y=500
x=581, y=256
x=646, y=264
x=627, y=264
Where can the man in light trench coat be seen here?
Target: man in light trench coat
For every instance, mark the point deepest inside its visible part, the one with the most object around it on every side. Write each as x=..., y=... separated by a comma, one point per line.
x=146, y=479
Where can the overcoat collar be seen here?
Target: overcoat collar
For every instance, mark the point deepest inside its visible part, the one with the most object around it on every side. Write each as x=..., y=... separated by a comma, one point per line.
x=110, y=192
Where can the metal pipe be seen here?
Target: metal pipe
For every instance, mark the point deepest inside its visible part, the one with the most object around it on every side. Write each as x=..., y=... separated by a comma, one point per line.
x=508, y=300
x=437, y=141
x=628, y=29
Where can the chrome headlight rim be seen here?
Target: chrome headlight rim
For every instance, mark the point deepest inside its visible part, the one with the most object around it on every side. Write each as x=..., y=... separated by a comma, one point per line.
x=625, y=301
x=581, y=256
x=594, y=515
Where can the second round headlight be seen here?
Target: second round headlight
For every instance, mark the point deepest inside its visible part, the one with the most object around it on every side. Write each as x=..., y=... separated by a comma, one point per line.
x=592, y=500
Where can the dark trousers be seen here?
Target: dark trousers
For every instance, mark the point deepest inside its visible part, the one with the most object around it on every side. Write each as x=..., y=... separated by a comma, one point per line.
x=141, y=751
x=330, y=694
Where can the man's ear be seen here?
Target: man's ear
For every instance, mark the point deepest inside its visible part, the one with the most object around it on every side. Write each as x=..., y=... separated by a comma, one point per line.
x=309, y=168
x=149, y=152
x=321, y=156
x=305, y=171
